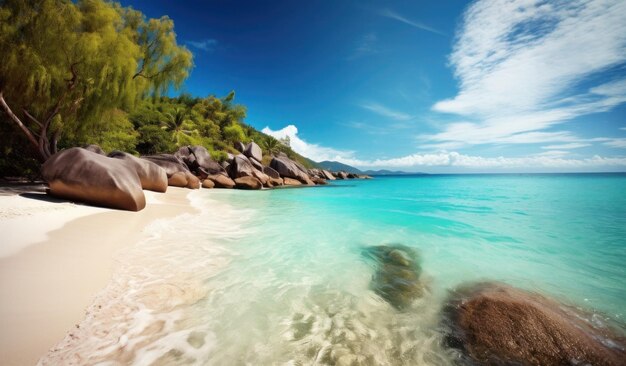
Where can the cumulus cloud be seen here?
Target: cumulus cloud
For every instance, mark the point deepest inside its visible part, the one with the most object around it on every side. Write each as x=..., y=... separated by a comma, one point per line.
x=521, y=64
x=553, y=159
x=312, y=151
x=548, y=159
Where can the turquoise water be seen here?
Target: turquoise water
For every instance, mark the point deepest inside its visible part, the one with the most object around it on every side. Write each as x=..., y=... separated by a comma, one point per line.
x=279, y=277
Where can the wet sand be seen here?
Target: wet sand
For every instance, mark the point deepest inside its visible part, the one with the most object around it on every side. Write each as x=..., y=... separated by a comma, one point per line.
x=54, y=257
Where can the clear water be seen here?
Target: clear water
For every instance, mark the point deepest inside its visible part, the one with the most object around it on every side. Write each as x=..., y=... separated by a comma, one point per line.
x=278, y=277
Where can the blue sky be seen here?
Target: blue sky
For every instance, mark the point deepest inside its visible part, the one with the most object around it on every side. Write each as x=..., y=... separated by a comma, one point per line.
x=445, y=86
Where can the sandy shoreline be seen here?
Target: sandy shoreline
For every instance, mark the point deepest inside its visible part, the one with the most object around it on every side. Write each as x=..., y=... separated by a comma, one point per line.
x=54, y=258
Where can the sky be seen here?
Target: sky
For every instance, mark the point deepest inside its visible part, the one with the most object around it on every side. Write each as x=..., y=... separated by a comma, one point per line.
x=430, y=86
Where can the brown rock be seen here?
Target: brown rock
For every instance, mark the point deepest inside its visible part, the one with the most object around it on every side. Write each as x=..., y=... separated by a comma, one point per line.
x=253, y=151
x=288, y=168
x=239, y=146
x=207, y=183
x=270, y=172
x=242, y=167
x=319, y=181
x=192, y=181
x=169, y=162
x=94, y=148
x=152, y=176
x=291, y=182
x=275, y=182
x=178, y=179
x=327, y=175
x=248, y=183
x=221, y=181
x=82, y=175
x=198, y=160
x=493, y=323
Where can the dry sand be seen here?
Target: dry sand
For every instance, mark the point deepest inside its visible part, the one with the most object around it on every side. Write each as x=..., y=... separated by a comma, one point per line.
x=54, y=257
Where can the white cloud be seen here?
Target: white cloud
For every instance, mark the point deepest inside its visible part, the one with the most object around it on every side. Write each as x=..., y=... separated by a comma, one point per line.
x=395, y=16
x=518, y=62
x=618, y=143
x=386, y=112
x=204, y=45
x=573, y=145
x=311, y=151
x=547, y=159
x=457, y=160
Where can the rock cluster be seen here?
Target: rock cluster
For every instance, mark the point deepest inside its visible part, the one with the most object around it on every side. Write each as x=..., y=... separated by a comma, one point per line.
x=87, y=174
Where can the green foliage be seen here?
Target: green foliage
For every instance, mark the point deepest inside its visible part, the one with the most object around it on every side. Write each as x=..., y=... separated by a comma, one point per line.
x=234, y=133
x=72, y=62
x=93, y=71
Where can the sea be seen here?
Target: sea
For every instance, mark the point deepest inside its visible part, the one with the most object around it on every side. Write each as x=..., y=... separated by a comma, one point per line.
x=279, y=277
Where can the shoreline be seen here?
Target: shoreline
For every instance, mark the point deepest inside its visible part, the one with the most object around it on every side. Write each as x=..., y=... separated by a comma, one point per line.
x=63, y=255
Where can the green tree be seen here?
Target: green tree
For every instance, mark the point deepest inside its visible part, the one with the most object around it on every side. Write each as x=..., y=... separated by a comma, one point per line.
x=270, y=145
x=182, y=128
x=234, y=133
x=65, y=63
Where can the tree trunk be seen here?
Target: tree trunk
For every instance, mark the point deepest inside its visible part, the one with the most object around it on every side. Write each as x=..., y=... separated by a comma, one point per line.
x=40, y=142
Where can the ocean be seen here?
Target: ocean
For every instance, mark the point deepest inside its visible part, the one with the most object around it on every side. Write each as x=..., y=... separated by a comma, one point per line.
x=280, y=276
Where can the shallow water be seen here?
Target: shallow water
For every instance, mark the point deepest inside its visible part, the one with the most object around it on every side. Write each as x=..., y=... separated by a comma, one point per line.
x=279, y=277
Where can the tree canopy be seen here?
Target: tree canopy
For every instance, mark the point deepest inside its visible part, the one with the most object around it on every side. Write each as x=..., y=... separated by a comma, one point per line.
x=66, y=64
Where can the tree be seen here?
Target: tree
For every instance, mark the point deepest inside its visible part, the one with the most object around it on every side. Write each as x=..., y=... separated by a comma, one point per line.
x=270, y=145
x=181, y=126
x=65, y=63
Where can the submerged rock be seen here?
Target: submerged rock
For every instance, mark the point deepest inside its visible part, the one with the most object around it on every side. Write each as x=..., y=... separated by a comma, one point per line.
x=493, y=323
x=397, y=275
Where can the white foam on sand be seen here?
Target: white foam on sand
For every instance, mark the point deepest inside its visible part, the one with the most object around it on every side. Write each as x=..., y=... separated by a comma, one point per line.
x=55, y=257
x=146, y=314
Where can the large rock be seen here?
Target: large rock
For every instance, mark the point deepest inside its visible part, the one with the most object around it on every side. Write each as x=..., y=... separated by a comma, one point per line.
x=492, y=323
x=94, y=148
x=239, y=146
x=253, y=151
x=198, y=160
x=81, y=175
x=397, y=274
x=291, y=182
x=288, y=168
x=221, y=181
x=327, y=175
x=270, y=172
x=207, y=183
x=319, y=181
x=169, y=162
x=248, y=182
x=184, y=180
x=242, y=167
x=256, y=164
x=152, y=176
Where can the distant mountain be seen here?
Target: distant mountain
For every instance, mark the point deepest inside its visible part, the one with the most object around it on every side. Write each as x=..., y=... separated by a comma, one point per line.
x=336, y=166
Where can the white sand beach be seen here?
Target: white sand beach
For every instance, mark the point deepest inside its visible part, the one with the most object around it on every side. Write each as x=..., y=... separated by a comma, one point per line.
x=54, y=257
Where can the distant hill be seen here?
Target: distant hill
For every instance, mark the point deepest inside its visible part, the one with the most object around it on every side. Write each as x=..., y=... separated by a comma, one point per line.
x=336, y=166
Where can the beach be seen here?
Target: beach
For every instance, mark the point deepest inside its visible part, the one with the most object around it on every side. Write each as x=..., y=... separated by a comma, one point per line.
x=54, y=258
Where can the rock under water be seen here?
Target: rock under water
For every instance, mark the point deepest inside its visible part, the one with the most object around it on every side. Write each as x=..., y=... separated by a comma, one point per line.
x=496, y=324
x=397, y=277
